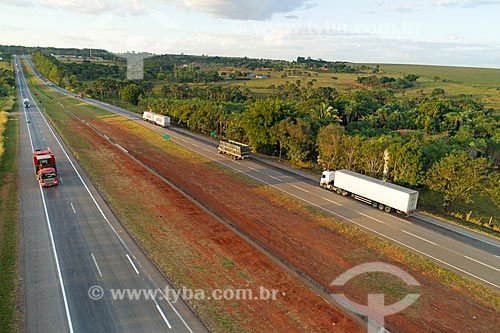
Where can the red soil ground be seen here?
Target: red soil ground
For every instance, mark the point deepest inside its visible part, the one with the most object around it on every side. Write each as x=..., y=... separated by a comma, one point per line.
x=182, y=237
x=312, y=243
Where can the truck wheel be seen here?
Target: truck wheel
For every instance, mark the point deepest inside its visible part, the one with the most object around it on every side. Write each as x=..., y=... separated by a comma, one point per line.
x=374, y=204
x=345, y=193
x=387, y=209
x=339, y=191
x=380, y=206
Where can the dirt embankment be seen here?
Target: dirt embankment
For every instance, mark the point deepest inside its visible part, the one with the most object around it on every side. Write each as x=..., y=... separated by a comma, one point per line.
x=197, y=251
x=317, y=245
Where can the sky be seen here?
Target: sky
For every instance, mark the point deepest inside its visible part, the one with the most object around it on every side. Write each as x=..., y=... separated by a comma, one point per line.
x=432, y=32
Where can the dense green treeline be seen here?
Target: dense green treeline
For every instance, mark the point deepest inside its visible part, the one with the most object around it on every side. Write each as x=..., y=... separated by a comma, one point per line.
x=19, y=50
x=450, y=144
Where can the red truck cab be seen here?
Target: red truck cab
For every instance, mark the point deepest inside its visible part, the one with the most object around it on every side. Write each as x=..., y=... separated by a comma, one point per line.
x=45, y=167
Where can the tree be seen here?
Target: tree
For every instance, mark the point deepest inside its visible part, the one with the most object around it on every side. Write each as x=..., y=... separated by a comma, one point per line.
x=406, y=163
x=458, y=177
x=299, y=140
x=329, y=144
x=131, y=93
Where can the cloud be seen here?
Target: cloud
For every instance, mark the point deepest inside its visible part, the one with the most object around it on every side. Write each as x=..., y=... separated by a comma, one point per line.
x=291, y=17
x=465, y=3
x=258, y=10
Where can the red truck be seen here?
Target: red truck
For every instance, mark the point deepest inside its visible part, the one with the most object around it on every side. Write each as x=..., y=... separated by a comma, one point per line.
x=45, y=167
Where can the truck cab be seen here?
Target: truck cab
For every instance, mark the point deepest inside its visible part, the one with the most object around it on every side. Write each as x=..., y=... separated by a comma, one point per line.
x=48, y=177
x=44, y=162
x=327, y=179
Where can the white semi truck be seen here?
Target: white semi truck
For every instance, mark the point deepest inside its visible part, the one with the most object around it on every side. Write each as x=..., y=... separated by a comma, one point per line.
x=383, y=195
x=158, y=119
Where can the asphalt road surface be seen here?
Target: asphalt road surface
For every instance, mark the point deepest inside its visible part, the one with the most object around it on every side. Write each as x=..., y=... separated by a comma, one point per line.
x=75, y=250
x=470, y=254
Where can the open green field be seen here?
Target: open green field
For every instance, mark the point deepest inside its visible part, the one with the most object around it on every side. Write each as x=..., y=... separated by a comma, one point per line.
x=483, y=83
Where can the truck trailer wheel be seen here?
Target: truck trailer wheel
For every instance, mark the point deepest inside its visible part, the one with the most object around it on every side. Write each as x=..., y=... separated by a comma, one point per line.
x=387, y=209
x=345, y=193
x=339, y=191
x=381, y=206
x=374, y=204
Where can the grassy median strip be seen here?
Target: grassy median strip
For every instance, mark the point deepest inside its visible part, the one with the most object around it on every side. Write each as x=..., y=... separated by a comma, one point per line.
x=9, y=216
x=383, y=249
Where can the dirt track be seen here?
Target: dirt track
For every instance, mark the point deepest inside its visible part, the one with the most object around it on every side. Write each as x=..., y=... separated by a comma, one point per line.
x=310, y=242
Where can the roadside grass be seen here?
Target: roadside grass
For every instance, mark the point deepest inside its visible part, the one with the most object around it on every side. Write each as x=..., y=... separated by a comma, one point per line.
x=385, y=249
x=9, y=215
x=482, y=215
x=142, y=221
x=382, y=248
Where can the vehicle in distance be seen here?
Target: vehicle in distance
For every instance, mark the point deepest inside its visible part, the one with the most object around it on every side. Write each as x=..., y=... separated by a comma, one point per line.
x=26, y=102
x=383, y=195
x=45, y=167
x=158, y=119
x=237, y=150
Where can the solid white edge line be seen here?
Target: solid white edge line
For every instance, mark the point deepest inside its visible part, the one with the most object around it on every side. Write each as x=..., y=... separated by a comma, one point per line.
x=425, y=240
x=132, y=263
x=96, y=265
x=105, y=107
x=457, y=231
x=47, y=219
x=72, y=207
x=358, y=224
x=79, y=176
x=482, y=263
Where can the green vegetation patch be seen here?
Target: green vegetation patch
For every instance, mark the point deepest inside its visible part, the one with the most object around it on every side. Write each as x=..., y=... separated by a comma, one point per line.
x=9, y=232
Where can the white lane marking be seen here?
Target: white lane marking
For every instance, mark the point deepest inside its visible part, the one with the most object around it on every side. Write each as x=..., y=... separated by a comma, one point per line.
x=78, y=174
x=333, y=202
x=457, y=231
x=400, y=219
x=206, y=149
x=368, y=216
x=313, y=204
x=72, y=207
x=251, y=168
x=132, y=263
x=108, y=108
x=96, y=265
x=52, y=242
x=275, y=178
x=194, y=144
x=61, y=180
x=183, y=140
x=299, y=188
x=426, y=240
x=482, y=263
x=497, y=256
x=162, y=314
x=165, y=297
x=360, y=225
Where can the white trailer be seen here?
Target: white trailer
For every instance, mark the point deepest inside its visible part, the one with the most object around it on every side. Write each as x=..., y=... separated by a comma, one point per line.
x=158, y=119
x=386, y=196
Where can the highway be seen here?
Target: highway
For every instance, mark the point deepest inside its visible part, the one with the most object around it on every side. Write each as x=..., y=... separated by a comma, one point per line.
x=468, y=253
x=72, y=243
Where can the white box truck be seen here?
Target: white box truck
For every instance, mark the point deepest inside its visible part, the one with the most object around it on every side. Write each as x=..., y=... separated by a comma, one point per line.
x=383, y=195
x=158, y=119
